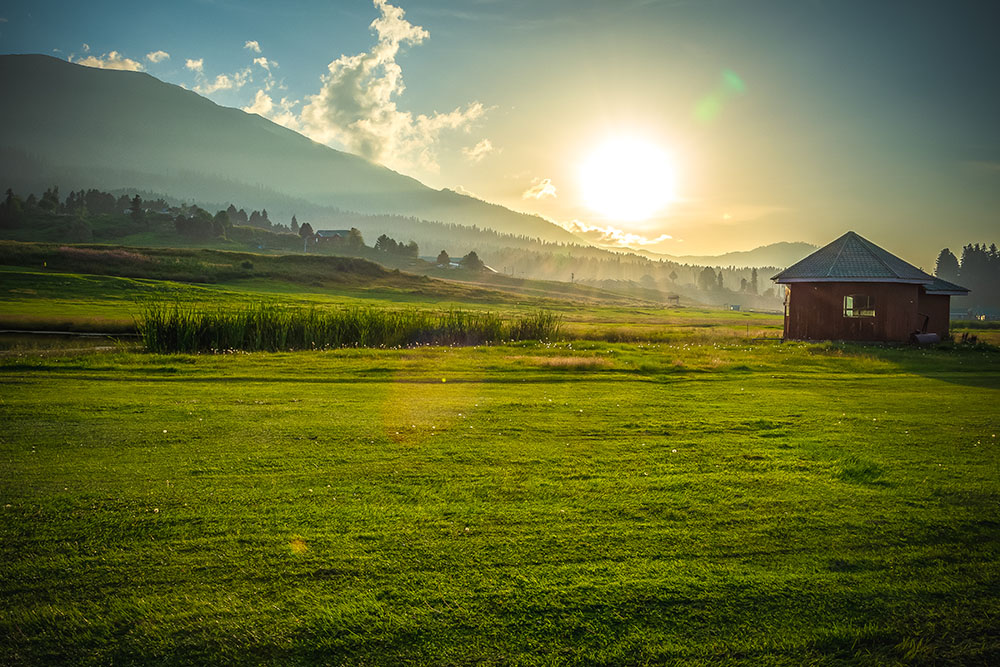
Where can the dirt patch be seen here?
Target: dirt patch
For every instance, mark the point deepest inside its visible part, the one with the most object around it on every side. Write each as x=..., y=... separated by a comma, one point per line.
x=564, y=362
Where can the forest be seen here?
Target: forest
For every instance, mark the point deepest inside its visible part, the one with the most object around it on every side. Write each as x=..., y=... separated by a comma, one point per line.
x=143, y=218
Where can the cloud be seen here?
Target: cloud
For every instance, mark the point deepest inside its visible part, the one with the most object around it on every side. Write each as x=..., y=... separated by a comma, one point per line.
x=233, y=81
x=479, y=151
x=265, y=63
x=195, y=65
x=355, y=108
x=612, y=235
x=253, y=45
x=86, y=47
x=113, y=60
x=464, y=191
x=157, y=56
x=540, y=189
x=280, y=112
x=262, y=104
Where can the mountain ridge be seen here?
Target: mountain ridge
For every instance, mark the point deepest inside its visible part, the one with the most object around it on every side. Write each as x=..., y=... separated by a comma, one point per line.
x=780, y=254
x=92, y=121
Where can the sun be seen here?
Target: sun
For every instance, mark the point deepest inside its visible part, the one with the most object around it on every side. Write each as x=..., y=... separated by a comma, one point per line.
x=627, y=179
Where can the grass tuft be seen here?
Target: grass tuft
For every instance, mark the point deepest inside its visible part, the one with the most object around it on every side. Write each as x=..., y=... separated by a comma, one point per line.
x=862, y=471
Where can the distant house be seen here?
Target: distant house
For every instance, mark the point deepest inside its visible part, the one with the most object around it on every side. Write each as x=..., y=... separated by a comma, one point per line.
x=852, y=289
x=331, y=234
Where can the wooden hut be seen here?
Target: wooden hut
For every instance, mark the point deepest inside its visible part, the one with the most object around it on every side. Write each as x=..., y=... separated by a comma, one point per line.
x=852, y=289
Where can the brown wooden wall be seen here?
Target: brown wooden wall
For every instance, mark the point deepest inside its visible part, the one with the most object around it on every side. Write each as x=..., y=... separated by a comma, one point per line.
x=938, y=308
x=815, y=311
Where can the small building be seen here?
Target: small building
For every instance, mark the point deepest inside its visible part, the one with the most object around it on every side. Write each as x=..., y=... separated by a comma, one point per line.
x=852, y=289
x=330, y=234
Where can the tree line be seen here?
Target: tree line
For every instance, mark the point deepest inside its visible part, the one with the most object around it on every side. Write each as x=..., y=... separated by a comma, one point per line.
x=518, y=256
x=978, y=269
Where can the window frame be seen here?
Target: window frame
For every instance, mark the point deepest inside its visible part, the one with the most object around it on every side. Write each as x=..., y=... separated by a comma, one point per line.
x=858, y=306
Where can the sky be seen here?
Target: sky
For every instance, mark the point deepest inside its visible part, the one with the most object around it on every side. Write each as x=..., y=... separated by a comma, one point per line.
x=683, y=127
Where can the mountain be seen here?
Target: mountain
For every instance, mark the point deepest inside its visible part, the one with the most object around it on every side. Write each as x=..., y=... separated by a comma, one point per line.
x=77, y=127
x=780, y=254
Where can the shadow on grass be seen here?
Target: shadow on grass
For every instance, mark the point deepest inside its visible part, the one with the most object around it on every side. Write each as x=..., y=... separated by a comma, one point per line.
x=970, y=365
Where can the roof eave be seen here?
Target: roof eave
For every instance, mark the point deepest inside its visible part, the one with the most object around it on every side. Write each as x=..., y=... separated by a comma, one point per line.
x=849, y=279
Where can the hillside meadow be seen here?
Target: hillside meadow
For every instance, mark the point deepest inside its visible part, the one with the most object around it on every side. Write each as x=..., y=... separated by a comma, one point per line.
x=654, y=485
x=105, y=289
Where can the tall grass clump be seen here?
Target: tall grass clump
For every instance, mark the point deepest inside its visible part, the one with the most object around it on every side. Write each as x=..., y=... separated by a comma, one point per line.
x=262, y=327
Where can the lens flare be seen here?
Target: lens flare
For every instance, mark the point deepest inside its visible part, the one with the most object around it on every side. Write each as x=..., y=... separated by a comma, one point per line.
x=730, y=86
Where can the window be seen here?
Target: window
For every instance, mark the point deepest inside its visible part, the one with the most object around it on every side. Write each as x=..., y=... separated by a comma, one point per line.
x=859, y=305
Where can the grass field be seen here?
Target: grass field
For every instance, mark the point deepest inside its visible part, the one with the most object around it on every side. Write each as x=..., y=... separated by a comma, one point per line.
x=51, y=299
x=653, y=487
x=533, y=503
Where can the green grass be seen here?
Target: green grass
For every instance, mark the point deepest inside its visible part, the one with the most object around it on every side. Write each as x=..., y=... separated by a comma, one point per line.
x=271, y=328
x=55, y=300
x=581, y=502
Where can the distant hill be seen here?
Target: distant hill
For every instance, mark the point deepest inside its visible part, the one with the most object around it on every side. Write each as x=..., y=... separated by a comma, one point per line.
x=73, y=126
x=780, y=254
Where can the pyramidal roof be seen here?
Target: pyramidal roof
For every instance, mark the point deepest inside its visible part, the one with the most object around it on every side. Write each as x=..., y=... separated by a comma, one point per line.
x=852, y=258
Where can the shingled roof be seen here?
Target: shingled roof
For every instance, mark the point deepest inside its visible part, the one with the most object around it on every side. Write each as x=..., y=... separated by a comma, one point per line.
x=852, y=258
x=940, y=286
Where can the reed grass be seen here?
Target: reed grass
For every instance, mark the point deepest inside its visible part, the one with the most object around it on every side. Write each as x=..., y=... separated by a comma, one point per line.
x=270, y=328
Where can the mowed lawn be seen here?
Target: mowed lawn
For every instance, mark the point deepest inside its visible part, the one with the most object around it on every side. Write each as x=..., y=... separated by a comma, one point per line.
x=524, y=504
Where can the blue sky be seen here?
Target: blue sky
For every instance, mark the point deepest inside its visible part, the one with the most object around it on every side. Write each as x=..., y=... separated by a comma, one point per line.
x=872, y=116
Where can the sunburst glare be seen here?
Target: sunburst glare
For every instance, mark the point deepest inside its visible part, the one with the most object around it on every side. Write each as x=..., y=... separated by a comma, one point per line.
x=627, y=179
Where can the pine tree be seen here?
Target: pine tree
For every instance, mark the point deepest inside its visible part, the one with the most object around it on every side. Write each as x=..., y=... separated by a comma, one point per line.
x=472, y=262
x=354, y=239
x=10, y=210
x=135, y=209
x=946, y=266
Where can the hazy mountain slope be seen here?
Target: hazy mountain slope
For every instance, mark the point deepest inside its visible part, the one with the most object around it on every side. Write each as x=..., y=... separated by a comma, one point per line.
x=776, y=254
x=128, y=125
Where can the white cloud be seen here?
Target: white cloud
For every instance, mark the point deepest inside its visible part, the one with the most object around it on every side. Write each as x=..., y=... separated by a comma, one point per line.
x=479, y=151
x=464, y=191
x=612, y=235
x=262, y=104
x=355, y=108
x=157, y=56
x=113, y=60
x=86, y=47
x=253, y=45
x=281, y=112
x=233, y=81
x=540, y=189
x=264, y=62
x=195, y=65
